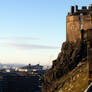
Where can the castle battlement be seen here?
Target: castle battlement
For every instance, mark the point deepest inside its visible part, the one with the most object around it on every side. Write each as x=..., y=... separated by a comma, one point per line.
x=77, y=20
x=83, y=11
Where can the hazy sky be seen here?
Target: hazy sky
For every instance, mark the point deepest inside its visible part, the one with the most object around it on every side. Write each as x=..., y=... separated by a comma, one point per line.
x=32, y=31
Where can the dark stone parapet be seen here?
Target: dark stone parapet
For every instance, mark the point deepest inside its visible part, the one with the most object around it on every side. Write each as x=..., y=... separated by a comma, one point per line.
x=84, y=10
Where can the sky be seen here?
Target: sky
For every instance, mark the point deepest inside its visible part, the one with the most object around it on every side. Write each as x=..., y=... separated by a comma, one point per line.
x=32, y=31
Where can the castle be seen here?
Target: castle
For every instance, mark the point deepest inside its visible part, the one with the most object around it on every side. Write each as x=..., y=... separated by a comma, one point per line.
x=76, y=50
x=79, y=27
x=76, y=20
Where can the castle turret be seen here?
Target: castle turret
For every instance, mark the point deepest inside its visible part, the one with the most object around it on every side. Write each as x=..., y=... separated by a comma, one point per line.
x=72, y=10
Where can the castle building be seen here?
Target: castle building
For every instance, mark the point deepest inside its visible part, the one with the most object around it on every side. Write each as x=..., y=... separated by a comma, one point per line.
x=79, y=27
x=76, y=20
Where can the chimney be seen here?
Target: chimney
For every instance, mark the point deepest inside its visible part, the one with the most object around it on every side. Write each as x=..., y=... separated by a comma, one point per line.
x=76, y=8
x=72, y=9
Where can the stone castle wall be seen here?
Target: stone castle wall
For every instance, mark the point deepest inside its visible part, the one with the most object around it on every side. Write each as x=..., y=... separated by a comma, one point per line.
x=72, y=28
x=75, y=22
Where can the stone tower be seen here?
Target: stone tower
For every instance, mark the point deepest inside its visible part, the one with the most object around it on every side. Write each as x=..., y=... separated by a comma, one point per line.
x=76, y=20
x=79, y=27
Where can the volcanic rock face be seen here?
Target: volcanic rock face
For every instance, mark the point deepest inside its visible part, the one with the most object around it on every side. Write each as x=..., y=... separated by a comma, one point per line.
x=69, y=57
x=76, y=49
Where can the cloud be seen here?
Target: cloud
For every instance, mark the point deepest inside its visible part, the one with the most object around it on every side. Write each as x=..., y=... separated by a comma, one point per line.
x=28, y=46
x=18, y=38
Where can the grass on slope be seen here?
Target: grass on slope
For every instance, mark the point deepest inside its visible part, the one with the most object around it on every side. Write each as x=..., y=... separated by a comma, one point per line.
x=75, y=81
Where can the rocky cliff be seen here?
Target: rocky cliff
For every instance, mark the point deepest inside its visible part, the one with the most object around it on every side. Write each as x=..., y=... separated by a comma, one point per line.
x=68, y=59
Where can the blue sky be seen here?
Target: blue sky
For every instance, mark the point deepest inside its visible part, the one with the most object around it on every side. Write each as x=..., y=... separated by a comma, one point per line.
x=32, y=31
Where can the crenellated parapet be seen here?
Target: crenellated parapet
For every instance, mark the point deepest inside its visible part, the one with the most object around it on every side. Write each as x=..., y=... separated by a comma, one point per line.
x=84, y=10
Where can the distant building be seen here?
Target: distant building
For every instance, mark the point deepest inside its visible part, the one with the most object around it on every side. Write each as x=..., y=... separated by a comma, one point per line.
x=33, y=67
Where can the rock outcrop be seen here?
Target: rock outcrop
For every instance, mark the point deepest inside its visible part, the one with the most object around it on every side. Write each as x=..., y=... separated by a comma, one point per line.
x=76, y=49
x=70, y=56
